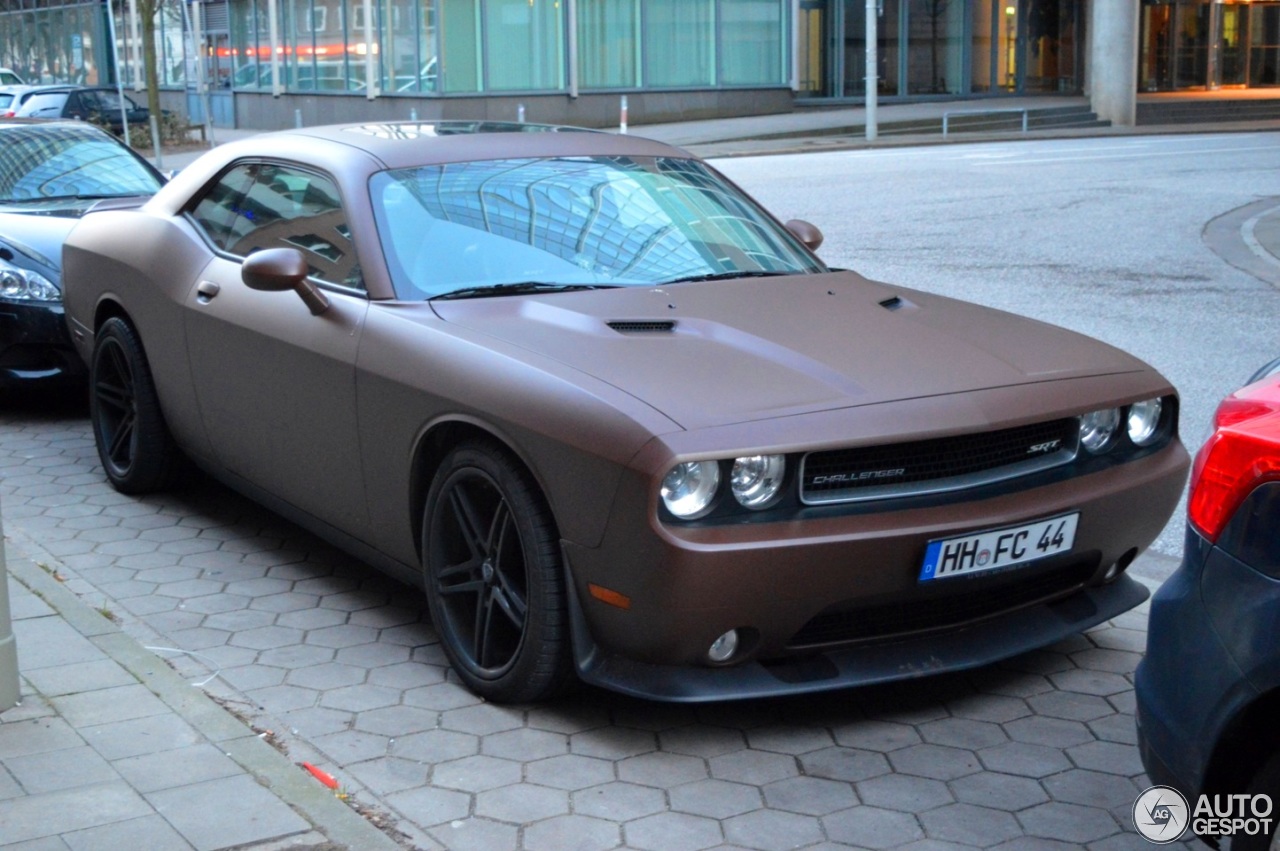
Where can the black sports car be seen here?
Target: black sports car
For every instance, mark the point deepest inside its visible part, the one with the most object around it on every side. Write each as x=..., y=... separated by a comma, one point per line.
x=51, y=174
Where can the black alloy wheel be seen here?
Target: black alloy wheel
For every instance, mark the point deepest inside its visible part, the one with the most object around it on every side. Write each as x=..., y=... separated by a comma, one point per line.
x=494, y=577
x=134, y=445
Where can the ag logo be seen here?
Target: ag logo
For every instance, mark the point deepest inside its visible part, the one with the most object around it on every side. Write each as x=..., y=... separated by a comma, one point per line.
x=1160, y=814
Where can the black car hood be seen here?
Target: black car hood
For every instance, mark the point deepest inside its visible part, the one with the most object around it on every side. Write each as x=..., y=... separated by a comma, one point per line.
x=37, y=234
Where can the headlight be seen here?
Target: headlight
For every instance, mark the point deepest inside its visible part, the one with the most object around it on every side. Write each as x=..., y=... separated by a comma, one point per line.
x=1144, y=422
x=756, y=479
x=1098, y=427
x=25, y=285
x=687, y=491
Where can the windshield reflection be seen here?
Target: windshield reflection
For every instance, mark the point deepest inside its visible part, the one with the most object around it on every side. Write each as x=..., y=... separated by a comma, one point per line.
x=68, y=163
x=609, y=221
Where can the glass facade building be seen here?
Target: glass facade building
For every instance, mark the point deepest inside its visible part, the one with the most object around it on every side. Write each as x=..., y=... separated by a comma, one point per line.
x=458, y=47
x=942, y=47
x=712, y=56
x=1195, y=44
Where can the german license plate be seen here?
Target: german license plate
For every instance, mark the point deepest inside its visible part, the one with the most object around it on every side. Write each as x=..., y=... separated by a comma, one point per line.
x=998, y=548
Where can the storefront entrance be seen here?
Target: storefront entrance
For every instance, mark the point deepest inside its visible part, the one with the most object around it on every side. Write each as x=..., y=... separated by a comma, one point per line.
x=940, y=47
x=1199, y=45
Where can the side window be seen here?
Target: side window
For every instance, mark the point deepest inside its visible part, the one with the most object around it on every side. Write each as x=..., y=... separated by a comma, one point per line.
x=284, y=207
x=219, y=209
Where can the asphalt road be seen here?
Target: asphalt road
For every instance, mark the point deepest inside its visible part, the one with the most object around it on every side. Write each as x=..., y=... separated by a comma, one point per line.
x=1104, y=236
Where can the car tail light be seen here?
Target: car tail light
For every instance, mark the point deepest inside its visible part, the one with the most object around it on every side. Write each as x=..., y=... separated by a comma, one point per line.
x=1243, y=453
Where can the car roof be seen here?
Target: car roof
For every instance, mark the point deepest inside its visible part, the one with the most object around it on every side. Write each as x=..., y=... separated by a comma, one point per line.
x=412, y=143
x=56, y=125
x=351, y=153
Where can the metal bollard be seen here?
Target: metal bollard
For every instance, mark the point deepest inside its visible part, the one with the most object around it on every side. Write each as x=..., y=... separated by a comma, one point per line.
x=413, y=114
x=622, y=123
x=520, y=113
x=297, y=118
x=10, y=693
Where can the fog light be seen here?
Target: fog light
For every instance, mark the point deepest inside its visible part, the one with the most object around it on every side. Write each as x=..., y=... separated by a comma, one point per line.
x=723, y=648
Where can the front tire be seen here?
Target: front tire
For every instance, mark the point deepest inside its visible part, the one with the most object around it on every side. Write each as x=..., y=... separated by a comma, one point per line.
x=134, y=445
x=494, y=577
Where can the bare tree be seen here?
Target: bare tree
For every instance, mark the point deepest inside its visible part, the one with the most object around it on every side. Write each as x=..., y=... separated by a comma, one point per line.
x=149, y=11
x=937, y=9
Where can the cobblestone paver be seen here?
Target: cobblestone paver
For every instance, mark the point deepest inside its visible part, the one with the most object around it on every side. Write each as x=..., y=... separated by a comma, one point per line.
x=343, y=667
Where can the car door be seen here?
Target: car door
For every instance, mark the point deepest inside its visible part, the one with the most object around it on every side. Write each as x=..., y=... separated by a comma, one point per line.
x=276, y=384
x=75, y=106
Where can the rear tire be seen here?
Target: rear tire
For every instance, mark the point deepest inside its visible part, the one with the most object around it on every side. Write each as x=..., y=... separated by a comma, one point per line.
x=134, y=445
x=494, y=577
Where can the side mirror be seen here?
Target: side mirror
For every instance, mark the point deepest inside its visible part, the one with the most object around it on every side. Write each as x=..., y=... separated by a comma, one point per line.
x=1267, y=371
x=806, y=233
x=279, y=269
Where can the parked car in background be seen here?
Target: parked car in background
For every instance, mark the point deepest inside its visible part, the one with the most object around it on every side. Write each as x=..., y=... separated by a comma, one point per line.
x=613, y=417
x=98, y=104
x=20, y=98
x=50, y=175
x=9, y=77
x=10, y=98
x=1208, y=688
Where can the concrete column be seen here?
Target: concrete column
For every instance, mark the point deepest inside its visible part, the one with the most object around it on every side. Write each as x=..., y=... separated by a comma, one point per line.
x=1113, y=61
x=9, y=692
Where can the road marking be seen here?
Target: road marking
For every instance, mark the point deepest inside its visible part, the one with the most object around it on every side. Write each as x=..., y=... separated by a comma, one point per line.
x=1246, y=233
x=1134, y=155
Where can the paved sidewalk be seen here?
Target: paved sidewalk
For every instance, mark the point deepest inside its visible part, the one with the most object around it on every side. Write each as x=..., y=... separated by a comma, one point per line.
x=111, y=749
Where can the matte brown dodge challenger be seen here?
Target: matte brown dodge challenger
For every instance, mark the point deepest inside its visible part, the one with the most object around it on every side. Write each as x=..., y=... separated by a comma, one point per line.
x=613, y=417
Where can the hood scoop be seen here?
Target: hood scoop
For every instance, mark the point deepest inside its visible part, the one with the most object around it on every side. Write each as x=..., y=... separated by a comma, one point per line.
x=656, y=326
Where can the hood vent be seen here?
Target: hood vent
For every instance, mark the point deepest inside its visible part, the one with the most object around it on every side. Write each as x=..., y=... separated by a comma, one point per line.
x=656, y=326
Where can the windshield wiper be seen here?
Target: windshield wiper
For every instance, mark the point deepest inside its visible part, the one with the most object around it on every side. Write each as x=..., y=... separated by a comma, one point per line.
x=725, y=276
x=517, y=288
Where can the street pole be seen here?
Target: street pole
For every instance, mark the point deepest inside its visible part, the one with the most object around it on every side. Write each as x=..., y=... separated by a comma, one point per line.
x=273, y=33
x=370, y=60
x=115, y=52
x=872, y=86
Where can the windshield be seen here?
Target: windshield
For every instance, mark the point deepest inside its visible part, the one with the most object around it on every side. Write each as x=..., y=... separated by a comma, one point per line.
x=68, y=162
x=599, y=221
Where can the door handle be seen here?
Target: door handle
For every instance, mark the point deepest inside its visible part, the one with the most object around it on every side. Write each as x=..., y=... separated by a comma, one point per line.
x=206, y=290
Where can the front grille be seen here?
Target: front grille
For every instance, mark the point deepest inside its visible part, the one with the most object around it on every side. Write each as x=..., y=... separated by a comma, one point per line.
x=943, y=611
x=935, y=465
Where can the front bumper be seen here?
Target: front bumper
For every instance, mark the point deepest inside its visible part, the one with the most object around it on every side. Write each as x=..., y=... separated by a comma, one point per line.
x=828, y=601
x=970, y=647
x=35, y=344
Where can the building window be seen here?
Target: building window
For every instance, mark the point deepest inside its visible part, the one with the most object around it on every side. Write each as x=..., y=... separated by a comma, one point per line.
x=751, y=42
x=935, y=46
x=679, y=43
x=607, y=43
x=523, y=45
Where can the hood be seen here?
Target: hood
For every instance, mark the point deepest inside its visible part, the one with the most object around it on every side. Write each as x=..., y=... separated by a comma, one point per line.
x=723, y=352
x=38, y=234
